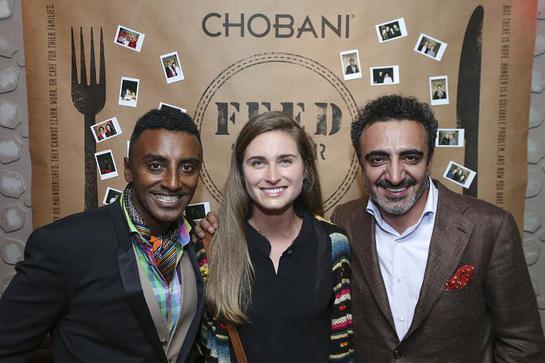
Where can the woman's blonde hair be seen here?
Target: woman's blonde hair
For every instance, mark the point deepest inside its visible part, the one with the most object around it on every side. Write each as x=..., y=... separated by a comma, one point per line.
x=229, y=287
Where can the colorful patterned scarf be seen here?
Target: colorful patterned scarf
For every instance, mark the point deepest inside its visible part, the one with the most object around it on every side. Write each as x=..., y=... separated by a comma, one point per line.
x=162, y=248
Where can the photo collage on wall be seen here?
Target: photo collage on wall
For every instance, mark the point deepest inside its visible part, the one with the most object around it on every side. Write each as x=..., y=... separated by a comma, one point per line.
x=129, y=90
x=385, y=75
x=351, y=61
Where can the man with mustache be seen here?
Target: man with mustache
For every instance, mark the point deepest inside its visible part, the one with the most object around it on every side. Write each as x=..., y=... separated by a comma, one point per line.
x=119, y=283
x=437, y=276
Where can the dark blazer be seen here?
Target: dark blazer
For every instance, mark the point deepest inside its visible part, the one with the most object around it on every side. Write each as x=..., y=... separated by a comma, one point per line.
x=493, y=318
x=79, y=280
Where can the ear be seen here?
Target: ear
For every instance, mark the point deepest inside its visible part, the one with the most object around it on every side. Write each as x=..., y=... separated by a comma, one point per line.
x=127, y=173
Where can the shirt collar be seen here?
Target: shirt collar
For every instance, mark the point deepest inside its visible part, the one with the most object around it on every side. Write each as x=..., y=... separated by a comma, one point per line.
x=260, y=244
x=185, y=228
x=429, y=210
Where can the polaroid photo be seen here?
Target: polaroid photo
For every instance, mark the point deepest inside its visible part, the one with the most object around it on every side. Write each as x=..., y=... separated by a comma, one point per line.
x=128, y=92
x=450, y=138
x=106, y=164
x=430, y=47
x=391, y=30
x=350, y=64
x=106, y=129
x=129, y=38
x=459, y=174
x=439, y=90
x=111, y=195
x=172, y=107
x=172, y=68
x=197, y=211
x=384, y=75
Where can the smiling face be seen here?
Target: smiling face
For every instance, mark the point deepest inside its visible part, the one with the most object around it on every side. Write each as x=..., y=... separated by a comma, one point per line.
x=395, y=166
x=164, y=171
x=273, y=172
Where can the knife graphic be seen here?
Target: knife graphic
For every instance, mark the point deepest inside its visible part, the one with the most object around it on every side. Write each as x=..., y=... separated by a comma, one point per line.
x=468, y=93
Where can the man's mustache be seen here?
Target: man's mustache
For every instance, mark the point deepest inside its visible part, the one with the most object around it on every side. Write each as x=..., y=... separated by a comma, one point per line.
x=407, y=182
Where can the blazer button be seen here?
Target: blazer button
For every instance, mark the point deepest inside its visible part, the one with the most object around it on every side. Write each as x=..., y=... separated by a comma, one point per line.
x=397, y=354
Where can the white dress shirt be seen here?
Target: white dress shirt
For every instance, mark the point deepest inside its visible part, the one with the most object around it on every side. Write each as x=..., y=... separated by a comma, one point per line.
x=402, y=258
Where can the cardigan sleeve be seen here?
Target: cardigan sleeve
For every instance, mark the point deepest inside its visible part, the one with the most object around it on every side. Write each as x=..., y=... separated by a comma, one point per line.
x=341, y=346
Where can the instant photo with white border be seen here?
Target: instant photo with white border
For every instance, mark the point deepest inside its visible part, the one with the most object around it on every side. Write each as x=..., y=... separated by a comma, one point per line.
x=436, y=99
x=128, y=96
x=139, y=40
x=109, y=194
x=377, y=75
x=106, y=174
x=450, y=138
x=435, y=54
x=401, y=31
x=115, y=126
x=467, y=174
x=166, y=105
x=197, y=211
x=172, y=68
x=345, y=57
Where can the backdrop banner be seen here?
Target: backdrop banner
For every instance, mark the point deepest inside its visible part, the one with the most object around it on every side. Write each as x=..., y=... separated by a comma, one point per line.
x=94, y=67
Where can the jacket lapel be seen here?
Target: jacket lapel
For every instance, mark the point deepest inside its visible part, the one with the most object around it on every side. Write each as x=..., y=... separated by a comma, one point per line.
x=128, y=271
x=451, y=234
x=195, y=323
x=370, y=265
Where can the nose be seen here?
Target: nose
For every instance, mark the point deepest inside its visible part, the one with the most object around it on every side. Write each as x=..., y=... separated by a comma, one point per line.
x=273, y=175
x=172, y=180
x=395, y=172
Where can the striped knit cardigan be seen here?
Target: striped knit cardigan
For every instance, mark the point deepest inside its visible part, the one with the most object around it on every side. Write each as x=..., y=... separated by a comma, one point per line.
x=214, y=337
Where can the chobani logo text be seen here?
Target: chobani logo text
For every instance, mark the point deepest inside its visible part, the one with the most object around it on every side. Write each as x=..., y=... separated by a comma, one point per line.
x=277, y=26
x=300, y=86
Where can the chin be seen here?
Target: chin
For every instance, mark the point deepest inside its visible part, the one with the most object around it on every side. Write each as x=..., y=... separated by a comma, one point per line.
x=169, y=218
x=274, y=209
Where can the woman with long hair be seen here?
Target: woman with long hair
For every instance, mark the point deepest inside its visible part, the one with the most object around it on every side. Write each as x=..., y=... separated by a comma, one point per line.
x=277, y=271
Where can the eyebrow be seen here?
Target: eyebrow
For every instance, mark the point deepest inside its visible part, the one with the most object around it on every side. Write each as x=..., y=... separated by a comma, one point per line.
x=153, y=157
x=287, y=155
x=376, y=153
x=412, y=152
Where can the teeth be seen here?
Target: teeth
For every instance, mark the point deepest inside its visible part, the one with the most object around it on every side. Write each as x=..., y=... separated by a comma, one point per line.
x=167, y=198
x=273, y=190
x=396, y=190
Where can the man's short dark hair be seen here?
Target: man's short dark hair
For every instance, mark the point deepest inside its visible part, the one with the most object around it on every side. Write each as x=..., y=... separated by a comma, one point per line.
x=163, y=119
x=394, y=107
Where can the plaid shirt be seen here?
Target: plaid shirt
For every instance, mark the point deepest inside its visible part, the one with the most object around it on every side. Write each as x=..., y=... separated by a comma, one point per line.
x=168, y=297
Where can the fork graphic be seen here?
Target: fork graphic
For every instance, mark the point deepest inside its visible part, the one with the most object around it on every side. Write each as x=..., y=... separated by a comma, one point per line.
x=89, y=98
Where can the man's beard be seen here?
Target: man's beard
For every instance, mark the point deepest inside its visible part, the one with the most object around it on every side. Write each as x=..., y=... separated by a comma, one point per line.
x=397, y=205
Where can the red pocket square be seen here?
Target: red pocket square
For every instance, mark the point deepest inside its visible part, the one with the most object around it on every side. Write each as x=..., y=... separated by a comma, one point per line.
x=461, y=278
